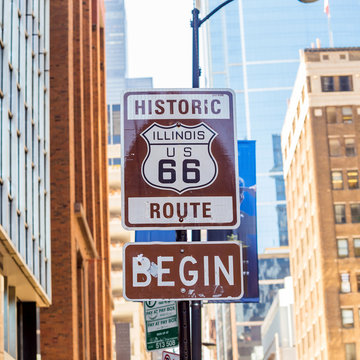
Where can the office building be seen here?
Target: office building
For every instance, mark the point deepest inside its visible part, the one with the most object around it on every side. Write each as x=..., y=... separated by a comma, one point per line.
x=116, y=60
x=320, y=144
x=277, y=331
x=238, y=325
x=25, y=251
x=128, y=317
x=78, y=323
x=273, y=269
x=252, y=47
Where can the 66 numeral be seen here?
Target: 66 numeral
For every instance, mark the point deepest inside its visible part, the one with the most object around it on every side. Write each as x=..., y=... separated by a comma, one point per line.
x=190, y=171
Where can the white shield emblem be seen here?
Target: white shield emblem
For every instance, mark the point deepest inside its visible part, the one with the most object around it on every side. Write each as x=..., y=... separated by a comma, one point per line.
x=179, y=157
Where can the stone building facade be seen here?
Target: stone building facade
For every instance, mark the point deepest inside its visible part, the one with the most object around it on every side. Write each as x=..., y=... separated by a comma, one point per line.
x=320, y=144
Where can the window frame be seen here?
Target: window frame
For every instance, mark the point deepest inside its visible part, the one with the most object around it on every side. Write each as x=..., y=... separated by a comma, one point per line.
x=343, y=206
x=352, y=187
x=327, y=83
x=332, y=152
x=334, y=181
x=356, y=216
x=331, y=114
x=341, y=84
x=345, y=283
x=339, y=248
x=356, y=248
x=344, y=324
x=358, y=282
x=350, y=350
x=347, y=118
x=350, y=151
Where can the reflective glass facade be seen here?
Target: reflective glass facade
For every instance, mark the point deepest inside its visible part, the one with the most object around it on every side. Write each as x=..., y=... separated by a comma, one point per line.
x=24, y=138
x=253, y=48
x=116, y=69
x=115, y=23
x=25, y=231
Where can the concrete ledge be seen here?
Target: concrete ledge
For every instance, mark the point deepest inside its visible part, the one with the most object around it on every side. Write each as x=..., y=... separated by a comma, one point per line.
x=19, y=274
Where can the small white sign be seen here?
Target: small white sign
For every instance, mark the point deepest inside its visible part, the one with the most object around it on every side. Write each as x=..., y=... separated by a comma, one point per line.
x=171, y=104
x=170, y=356
x=184, y=210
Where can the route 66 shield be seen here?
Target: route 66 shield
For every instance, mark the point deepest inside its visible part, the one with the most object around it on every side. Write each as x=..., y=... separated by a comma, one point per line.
x=179, y=157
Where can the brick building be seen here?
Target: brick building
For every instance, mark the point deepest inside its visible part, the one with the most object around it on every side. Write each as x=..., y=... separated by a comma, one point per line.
x=78, y=323
x=321, y=147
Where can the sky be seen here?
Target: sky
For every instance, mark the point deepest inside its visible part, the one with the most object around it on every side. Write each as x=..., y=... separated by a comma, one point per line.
x=159, y=40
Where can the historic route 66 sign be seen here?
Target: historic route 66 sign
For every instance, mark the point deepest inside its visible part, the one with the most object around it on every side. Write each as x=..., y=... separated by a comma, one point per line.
x=179, y=161
x=179, y=157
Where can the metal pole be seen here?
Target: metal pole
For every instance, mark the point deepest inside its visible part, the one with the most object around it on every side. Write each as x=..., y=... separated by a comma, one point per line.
x=184, y=316
x=196, y=305
x=195, y=54
x=196, y=339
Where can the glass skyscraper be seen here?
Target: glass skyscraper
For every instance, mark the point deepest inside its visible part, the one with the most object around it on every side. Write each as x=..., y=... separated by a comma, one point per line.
x=253, y=48
x=116, y=69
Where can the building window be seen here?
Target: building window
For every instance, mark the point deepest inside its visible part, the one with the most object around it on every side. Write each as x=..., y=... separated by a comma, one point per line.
x=337, y=180
x=331, y=114
x=358, y=282
x=345, y=283
x=340, y=217
x=342, y=248
x=350, y=351
x=345, y=83
x=336, y=83
x=334, y=147
x=353, y=179
x=355, y=213
x=327, y=83
x=116, y=119
x=308, y=84
x=350, y=149
x=346, y=113
x=356, y=247
x=347, y=318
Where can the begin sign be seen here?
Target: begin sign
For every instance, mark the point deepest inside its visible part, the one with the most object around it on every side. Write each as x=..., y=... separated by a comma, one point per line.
x=183, y=271
x=179, y=159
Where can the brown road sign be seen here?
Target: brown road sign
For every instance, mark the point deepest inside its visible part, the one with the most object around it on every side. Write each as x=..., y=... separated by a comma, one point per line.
x=179, y=159
x=183, y=271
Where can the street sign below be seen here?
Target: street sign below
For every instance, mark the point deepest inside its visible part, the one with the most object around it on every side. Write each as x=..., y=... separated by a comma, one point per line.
x=161, y=325
x=179, y=159
x=183, y=271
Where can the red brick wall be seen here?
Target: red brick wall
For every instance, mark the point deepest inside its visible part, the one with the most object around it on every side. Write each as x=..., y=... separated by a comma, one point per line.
x=78, y=322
